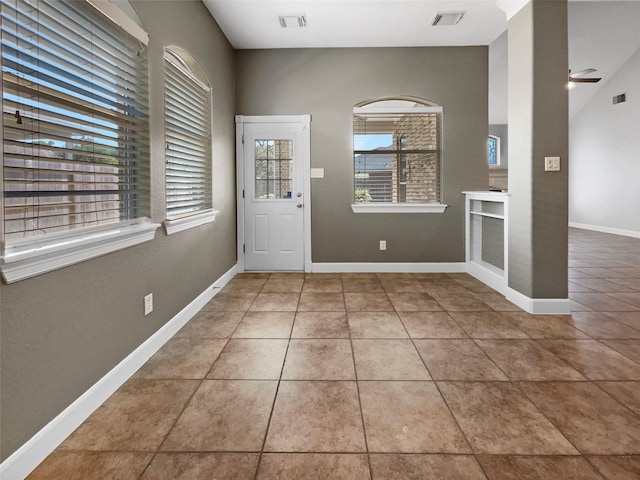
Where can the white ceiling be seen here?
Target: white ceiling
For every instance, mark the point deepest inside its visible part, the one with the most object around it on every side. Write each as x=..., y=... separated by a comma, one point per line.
x=602, y=34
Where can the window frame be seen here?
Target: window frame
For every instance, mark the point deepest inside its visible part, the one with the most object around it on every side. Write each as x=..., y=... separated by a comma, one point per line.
x=191, y=71
x=38, y=254
x=400, y=207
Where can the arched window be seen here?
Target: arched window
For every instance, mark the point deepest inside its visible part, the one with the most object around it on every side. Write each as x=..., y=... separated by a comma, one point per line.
x=188, y=141
x=397, y=151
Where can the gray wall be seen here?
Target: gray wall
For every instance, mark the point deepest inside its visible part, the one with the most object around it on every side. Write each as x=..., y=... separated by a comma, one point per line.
x=62, y=331
x=604, y=145
x=538, y=127
x=327, y=83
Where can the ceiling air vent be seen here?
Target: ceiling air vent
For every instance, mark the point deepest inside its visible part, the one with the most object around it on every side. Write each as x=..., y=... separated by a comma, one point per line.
x=446, y=18
x=293, y=20
x=620, y=98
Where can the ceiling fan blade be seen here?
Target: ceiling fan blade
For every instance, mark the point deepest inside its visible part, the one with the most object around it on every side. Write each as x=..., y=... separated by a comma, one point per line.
x=584, y=80
x=580, y=73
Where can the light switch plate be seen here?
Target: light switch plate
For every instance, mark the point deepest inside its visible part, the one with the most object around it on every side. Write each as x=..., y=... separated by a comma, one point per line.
x=551, y=164
x=317, y=173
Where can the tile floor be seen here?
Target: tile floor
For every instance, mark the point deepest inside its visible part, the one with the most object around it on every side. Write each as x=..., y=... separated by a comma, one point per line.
x=387, y=376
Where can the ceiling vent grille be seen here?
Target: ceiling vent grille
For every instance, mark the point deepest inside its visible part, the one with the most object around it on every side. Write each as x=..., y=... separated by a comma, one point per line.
x=442, y=19
x=293, y=21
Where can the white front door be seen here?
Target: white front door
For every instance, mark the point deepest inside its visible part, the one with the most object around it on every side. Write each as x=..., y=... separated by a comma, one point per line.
x=274, y=162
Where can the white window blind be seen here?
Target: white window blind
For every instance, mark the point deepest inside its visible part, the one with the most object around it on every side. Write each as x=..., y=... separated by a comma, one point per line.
x=188, y=136
x=75, y=121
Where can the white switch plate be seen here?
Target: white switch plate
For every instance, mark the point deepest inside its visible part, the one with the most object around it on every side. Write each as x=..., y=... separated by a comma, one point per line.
x=383, y=244
x=148, y=304
x=551, y=164
x=317, y=173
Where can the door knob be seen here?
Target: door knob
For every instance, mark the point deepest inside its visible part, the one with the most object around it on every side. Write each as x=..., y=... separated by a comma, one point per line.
x=299, y=195
x=299, y=205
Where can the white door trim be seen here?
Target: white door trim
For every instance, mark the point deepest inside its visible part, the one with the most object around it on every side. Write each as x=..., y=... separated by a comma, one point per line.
x=305, y=150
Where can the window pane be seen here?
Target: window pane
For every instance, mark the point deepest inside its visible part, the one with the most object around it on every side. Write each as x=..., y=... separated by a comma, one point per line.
x=273, y=169
x=397, y=155
x=493, y=154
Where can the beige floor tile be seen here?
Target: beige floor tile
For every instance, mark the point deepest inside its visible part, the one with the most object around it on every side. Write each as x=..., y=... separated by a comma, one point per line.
x=544, y=326
x=628, y=318
x=388, y=360
x=244, y=285
x=470, y=283
x=84, y=465
x=457, y=360
x=283, y=285
x=376, y=325
x=487, y=325
x=265, y=325
x=497, y=302
x=421, y=467
x=186, y=357
x=593, y=359
x=617, y=467
x=367, y=302
x=235, y=412
x=594, y=422
x=628, y=348
x=602, y=285
x=527, y=360
x=135, y=418
x=313, y=466
x=632, y=298
x=538, y=468
x=627, y=393
x=319, y=359
x=191, y=466
x=408, y=417
x=413, y=302
x=207, y=324
x=402, y=285
x=250, y=359
x=602, y=302
x=460, y=302
x=321, y=302
x=361, y=285
x=320, y=325
x=431, y=325
x=498, y=419
x=230, y=302
x=322, y=285
x=276, y=302
x=316, y=417
x=599, y=325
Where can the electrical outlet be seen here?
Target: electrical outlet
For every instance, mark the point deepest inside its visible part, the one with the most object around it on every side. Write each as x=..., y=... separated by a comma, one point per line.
x=551, y=164
x=383, y=244
x=148, y=304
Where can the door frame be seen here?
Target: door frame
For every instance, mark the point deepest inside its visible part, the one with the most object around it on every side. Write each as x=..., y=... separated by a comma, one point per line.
x=304, y=161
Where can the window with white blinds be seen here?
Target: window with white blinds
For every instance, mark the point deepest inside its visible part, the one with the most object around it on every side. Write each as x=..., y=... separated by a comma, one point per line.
x=397, y=152
x=187, y=136
x=75, y=126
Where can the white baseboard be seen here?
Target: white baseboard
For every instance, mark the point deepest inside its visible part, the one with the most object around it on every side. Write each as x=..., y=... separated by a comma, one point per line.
x=542, y=306
x=598, y=228
x=374, y=267
x=24, y=460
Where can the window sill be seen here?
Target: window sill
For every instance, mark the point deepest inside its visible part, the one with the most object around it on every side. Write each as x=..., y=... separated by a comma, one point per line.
x=192, y=221
x=398, y=208
x=42, y=255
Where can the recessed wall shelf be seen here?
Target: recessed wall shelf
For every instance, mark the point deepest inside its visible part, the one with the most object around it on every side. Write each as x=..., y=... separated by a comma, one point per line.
x=487, y=237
